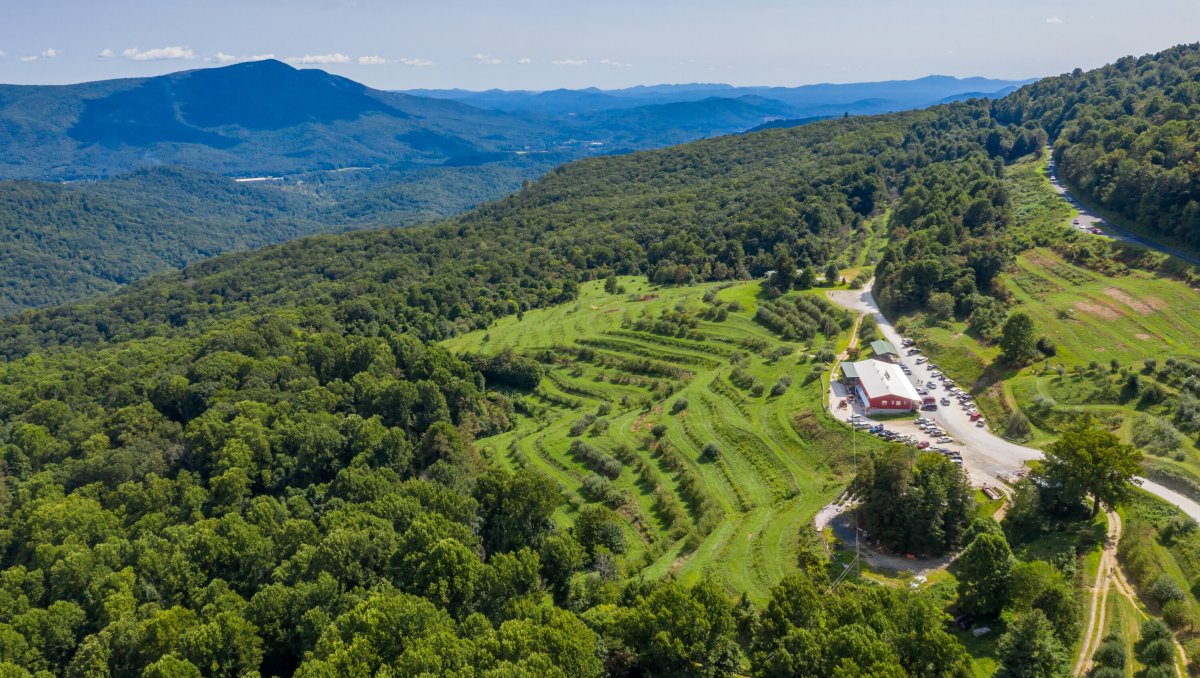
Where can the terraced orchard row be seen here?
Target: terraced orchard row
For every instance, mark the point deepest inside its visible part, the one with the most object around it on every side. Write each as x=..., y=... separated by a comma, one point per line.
x=682, y=410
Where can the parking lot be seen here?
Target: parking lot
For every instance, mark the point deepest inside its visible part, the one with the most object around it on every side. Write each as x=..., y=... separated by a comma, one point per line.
x=987, y=458
x=924, y=429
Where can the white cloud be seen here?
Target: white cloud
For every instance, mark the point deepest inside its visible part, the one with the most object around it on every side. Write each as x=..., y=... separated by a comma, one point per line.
x=159, y=54
x=50, y=53
x=320, y=59
x=1054, y=20
x=526, y=61
x=27, y=59
x=371, y=61
x=569, y=62
x=486, y=59
x=416, y=62
x=106, y=53
x=614, y=63
x=223, y=58
x=2, y=53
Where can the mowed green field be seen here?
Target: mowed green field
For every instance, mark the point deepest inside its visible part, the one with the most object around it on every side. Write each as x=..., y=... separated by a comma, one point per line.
x=1093, y=318
x=736, y=519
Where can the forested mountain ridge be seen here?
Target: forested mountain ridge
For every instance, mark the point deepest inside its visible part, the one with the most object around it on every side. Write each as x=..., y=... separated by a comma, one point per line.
x=265, y=117
x=711, y=210
x=250, y=119
x=1127, y=135
x=265, y=463
x=354, y=157
x=66, y=241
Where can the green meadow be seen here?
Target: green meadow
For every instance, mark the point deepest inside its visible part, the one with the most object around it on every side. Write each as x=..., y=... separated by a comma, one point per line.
x=725, y=450
x=1107, y=323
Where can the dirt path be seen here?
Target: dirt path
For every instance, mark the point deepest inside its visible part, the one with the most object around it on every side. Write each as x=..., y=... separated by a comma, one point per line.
x=1098, y=609
x=1108, y=576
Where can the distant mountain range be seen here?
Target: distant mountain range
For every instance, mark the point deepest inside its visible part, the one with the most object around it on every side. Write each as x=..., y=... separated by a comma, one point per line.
x=802, y=101
x=266, y=117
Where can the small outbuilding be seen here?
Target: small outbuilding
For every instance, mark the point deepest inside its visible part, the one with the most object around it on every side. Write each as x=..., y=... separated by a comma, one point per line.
x=885, y=350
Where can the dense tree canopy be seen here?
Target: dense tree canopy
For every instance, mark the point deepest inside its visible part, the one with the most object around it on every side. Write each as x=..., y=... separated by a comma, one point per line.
x=920, y=506
x=1127, y=134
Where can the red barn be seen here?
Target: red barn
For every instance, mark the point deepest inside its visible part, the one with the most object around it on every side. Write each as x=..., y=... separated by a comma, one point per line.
x=882, y=387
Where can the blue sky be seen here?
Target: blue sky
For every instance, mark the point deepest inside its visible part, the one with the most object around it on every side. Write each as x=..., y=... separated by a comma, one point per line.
x=543, y=44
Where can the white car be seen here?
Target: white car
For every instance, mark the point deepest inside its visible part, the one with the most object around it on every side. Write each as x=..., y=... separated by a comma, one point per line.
x=920, y=360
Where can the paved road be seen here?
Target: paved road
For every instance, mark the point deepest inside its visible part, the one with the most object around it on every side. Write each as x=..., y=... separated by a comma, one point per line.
x=986, y=456
x=1089, y=220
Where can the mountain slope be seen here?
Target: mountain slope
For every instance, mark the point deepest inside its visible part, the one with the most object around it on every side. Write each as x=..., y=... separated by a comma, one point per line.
x=1128, y=136
x=263, y=465
x=255, y=118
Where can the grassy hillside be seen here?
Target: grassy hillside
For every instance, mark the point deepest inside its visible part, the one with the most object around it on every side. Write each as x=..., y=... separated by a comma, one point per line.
x=735, y=517
x=1108, y=309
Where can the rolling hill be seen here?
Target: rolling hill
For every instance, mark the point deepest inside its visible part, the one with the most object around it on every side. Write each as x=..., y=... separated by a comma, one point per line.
x=576, y=431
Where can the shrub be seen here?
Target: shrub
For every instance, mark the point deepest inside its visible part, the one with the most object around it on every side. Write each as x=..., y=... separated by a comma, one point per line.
x=595, y=459
x=1018, y=427
x=1164, y=589
x=679, y=405
x=756, y=390
x=1155, y=435
x=659, y=430
x=1153, y=629
x=1047, y=347
x=582, y=425
x=781, y=386
x=1178, y=615
x=1110, y=653
x=1157, y=651
x=710, y=452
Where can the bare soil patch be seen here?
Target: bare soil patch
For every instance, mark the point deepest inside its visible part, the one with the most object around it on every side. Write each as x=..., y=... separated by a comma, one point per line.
x=1141, y=307
x=1101, y=310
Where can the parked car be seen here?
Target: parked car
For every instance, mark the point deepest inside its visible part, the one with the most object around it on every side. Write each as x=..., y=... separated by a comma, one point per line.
x=923, y=444
x=920, y=360
x=1097, y=231
x=945, y=402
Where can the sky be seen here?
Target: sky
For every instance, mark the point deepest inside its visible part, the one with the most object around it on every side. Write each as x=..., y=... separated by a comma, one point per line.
x=546, y=44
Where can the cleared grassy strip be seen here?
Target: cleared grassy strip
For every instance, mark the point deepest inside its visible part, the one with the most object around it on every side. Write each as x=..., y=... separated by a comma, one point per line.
x=656, y=353
x=708, y=349
x=733, y=514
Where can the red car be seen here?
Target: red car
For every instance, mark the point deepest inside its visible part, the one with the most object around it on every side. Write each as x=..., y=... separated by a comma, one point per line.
x=923, y=444
x=1097, y=231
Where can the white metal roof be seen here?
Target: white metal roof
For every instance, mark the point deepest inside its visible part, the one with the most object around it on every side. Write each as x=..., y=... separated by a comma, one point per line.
x=879, y=378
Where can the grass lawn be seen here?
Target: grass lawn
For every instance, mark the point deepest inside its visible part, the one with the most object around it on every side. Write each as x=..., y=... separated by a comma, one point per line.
x=735, y=519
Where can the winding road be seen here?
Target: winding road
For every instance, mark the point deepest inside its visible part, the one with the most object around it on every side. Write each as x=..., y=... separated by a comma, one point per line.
x=1089, y=220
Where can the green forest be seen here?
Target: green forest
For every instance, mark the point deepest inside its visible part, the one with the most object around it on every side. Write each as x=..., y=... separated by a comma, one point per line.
x=269, y=463
x=1127, y=135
